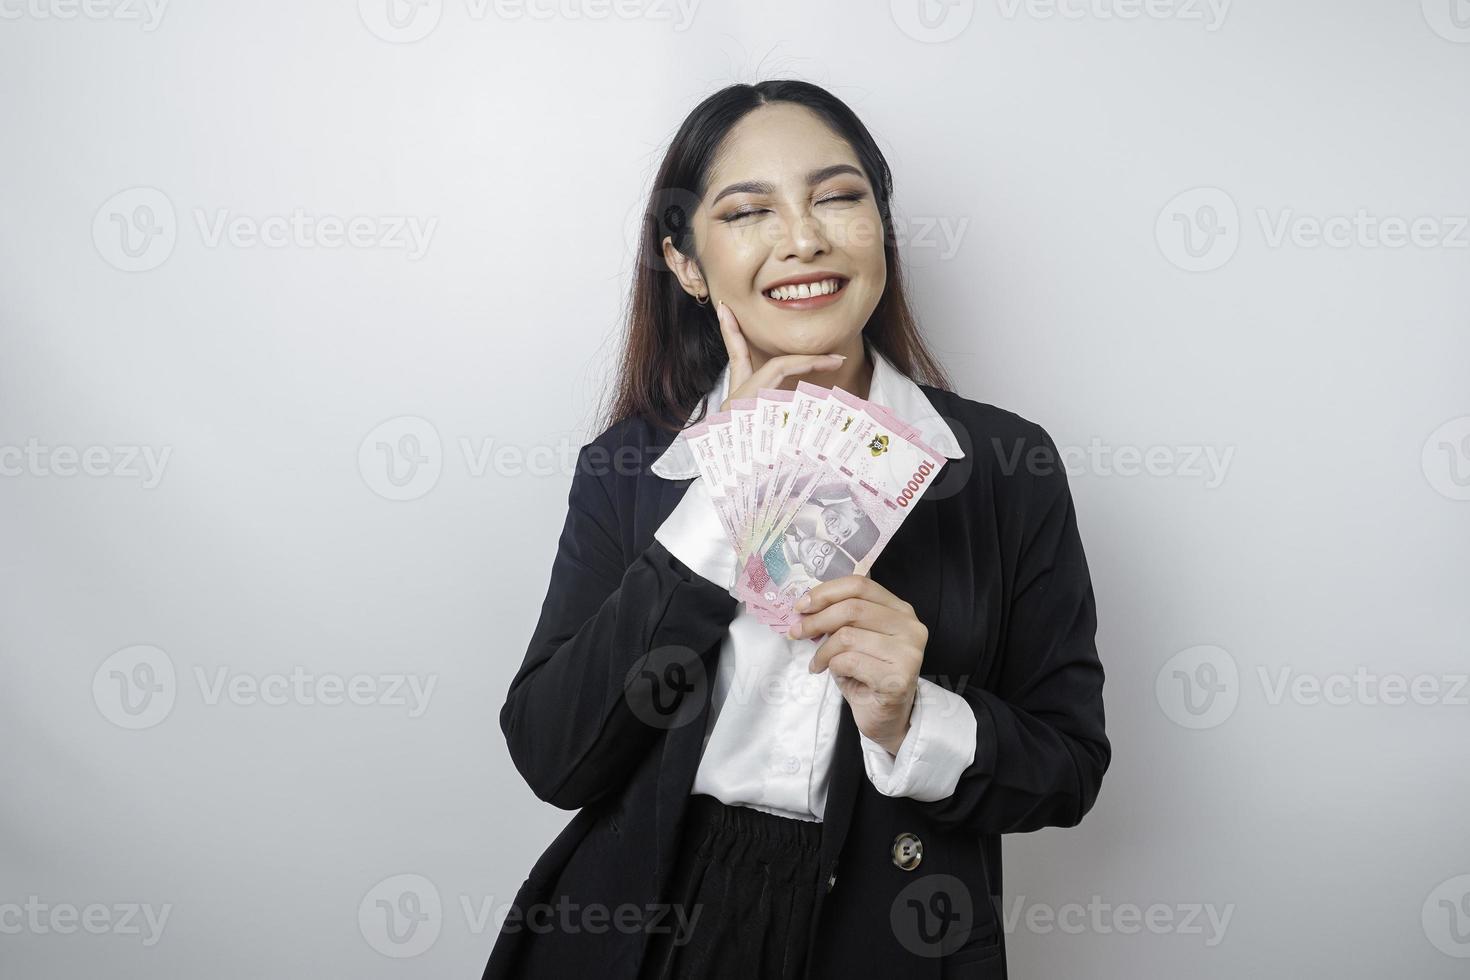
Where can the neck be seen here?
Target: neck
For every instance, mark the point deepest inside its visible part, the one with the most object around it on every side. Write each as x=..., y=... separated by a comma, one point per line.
x=855, y=375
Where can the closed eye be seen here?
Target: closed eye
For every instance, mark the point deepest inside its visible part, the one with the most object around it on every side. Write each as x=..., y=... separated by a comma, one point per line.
x=747, y=212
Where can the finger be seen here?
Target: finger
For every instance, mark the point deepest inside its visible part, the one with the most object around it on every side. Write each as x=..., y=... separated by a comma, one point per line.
x=778, y=369
x=735, y=346
x=823, y=594
x=853, y=611
x=859, y=666
x=848, y=639
x=864, y=679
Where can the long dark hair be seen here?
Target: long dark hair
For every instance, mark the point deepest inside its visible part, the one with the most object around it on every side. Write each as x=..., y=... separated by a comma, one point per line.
x=673, y=352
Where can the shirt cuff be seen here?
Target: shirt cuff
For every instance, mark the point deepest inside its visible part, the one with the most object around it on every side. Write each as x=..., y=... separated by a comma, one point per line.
x=694, y=534
x=939, y=747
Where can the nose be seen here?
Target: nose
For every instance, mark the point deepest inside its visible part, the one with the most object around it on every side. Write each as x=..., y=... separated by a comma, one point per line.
x=804, y=239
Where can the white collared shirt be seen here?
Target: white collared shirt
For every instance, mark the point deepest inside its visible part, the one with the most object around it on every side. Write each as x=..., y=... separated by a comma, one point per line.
x=773, y=724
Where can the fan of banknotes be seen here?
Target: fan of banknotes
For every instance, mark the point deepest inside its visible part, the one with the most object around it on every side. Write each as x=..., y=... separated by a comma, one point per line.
x=810, y=485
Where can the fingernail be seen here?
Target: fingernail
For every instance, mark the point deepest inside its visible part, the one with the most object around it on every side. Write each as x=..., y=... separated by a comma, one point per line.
x=792, y=631
x=809, y=664
x=804, y=603
x=840, y=357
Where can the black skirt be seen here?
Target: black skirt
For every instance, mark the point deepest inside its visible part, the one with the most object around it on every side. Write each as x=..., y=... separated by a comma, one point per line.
x=746, y=883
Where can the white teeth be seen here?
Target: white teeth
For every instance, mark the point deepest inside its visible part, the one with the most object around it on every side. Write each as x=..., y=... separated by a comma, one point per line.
x=805, y=290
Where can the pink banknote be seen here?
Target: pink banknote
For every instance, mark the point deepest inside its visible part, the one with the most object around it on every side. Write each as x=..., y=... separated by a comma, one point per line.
x=810, y=485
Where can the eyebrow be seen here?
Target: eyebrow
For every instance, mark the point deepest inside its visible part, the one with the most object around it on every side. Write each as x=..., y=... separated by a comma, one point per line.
x=763, y=187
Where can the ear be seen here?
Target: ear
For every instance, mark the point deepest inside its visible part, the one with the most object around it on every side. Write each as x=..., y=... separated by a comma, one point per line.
x=686, y=269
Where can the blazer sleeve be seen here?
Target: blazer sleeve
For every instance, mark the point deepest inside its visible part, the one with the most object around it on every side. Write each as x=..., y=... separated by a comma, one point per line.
x=575, y=721
x=1041, y=746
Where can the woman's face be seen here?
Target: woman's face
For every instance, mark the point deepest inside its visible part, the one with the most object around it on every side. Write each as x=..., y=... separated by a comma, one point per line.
x=747, y=237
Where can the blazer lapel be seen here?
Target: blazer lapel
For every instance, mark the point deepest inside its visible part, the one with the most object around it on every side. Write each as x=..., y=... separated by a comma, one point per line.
x=682, y=746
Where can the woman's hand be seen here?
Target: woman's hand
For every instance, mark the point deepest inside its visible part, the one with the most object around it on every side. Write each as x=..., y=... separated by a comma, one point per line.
x=874, y=646
x=746, y=382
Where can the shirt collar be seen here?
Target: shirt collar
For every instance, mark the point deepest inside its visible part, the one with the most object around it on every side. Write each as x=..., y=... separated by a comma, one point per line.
x=890, y=387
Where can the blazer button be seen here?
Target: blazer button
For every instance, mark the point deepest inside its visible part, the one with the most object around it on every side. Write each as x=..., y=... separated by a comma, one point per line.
x=908, y=851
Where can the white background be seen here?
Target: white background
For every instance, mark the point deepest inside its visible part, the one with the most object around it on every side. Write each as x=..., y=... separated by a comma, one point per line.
x=1052, y=145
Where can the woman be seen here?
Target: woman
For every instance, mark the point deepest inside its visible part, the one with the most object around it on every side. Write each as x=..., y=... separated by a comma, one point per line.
x=827, y=803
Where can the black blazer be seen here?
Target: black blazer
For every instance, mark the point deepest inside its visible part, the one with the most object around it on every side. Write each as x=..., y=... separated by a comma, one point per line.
x=607, y=713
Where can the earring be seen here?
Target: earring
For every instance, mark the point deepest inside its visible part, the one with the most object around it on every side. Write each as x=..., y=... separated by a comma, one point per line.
x=702, y=300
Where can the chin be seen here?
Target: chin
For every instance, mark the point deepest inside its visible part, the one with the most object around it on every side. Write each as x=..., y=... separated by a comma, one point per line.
x=813, y=339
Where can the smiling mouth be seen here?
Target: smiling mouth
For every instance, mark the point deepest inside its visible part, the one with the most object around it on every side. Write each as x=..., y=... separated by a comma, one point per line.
x=806, y=292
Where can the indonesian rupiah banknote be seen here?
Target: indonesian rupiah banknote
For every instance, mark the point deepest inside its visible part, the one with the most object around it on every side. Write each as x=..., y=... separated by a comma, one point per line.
x=809, y=485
